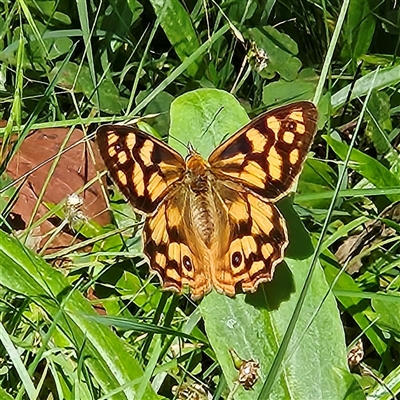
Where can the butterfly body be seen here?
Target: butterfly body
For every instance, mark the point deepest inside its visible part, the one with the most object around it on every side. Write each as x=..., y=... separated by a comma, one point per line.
x=201, y=198
x=213, y=223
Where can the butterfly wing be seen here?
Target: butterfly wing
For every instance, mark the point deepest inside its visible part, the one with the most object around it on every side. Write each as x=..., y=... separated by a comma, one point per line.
x=143, y=167
x=174, y=251
x=267, y=154
x=253, y=239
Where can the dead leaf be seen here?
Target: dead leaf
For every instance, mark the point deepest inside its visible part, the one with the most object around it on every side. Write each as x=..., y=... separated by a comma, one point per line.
x=74, y=169
x=355, y=247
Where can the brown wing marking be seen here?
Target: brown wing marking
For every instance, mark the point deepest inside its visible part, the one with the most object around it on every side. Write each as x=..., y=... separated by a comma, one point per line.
x=267, y=154
x=178, y=258
x=255, y=238
x=142, y=166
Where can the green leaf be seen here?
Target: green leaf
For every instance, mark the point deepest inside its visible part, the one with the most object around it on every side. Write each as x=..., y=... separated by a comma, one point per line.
x=5, y=196
x=160, y=105
x=146, y=298
x=240, y=10
x=4, y=395
x=359, y=29
x=379, y=122
x=253, y=325
x=204, y=119
x=37, y=54
x=388, y=320
x=317, y=177
x=48, y=8
x=106, y=356
x=178, y=27
x=77, y=78
x=120, y=16
x=385, y=77
x=367, y=166
x=282, y=92
x=280, y=53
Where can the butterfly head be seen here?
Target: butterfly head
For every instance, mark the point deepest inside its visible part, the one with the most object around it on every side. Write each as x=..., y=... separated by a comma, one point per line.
x=195, y=163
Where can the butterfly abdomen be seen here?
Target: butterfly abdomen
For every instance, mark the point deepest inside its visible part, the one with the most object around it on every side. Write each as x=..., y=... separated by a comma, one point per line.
x=203, y=220
x=202, y=206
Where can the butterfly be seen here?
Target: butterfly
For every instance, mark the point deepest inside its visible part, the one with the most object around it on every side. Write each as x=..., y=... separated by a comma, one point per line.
x=213, y=223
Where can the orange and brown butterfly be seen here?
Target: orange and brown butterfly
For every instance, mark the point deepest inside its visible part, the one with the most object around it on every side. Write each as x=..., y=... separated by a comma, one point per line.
x=213, y=224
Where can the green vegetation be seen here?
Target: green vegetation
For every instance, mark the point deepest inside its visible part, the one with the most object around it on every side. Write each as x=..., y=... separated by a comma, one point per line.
x=192, y=71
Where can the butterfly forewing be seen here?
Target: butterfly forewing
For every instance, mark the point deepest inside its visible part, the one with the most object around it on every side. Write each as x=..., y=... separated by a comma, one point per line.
x=143, y=167
x=268, y=153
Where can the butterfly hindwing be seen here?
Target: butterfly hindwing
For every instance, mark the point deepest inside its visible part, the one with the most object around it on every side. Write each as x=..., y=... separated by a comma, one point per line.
x=268, y=153
x=253, y=241
x=178, y=258
x=143, y=167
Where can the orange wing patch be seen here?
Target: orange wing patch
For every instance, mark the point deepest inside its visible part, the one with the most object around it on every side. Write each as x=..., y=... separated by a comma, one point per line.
x=267, y=154
x=143, y=167
x=257, y=240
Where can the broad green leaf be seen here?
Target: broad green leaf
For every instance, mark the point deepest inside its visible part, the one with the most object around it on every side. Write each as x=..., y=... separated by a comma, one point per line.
x=359, y=29
x=106, y=356
x=282, y=92
x=204, y=119
x=388, y=320
x=368, y=167
x=253, y=325
x=177, y=25
x=279, y=51
x=379, y=122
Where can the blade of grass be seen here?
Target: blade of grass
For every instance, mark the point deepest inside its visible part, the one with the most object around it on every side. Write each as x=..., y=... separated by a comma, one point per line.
x=350, y=193
x=32, y=24
x=18, y=365
x=87, y=34
x=15, y=116
x=140, y=67
x=387, y=77
x=106, y=356
x=131, y=324
x=179, y=70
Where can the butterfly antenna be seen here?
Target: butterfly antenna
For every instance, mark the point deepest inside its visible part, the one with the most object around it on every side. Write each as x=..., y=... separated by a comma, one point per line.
x=187, y=146
x=191, y=148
